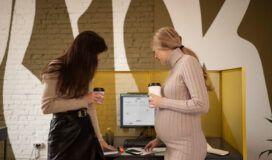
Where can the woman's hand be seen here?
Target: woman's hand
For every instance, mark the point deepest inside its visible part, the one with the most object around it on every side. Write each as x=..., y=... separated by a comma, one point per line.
x=154, y=100
x=154, y=143
x=94, y=97
x=105, y=147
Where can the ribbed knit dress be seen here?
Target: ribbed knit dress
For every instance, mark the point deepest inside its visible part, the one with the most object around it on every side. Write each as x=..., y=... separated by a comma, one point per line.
x=185, y=98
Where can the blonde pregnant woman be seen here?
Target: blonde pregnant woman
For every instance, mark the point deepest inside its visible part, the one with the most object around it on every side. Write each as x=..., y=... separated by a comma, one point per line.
x=185, y=98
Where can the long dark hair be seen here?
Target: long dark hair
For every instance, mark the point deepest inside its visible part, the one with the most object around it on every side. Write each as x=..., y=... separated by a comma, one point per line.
x=76, y=68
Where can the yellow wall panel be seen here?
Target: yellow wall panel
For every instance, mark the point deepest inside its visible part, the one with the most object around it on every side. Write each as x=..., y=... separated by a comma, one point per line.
x=232, y=99
x=159, y=76
x=142, y=79
x=106, y=112
x=212, y=121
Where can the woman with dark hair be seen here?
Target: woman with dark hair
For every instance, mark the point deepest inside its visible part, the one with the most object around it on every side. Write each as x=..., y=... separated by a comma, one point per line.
x=74, y=132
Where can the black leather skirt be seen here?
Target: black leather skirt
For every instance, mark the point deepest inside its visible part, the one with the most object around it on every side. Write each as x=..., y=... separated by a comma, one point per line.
x=72, y=137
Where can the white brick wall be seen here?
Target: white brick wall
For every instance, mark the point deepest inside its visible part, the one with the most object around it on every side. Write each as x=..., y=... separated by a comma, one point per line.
x=22, y=90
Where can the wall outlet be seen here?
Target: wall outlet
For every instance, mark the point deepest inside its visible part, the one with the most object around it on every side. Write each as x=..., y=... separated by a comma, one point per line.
x=38, y=145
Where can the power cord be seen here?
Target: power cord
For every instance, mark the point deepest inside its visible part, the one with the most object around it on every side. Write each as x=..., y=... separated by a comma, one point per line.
x=36, y=148
x=31, y=153
x=37, y=154
x=142, y=133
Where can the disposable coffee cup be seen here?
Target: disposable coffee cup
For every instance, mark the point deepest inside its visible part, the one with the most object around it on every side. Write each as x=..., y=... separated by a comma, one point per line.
x=99, y=90
x=154, y=88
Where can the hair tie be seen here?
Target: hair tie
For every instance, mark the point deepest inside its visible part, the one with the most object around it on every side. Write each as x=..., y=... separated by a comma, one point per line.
x=182, y=46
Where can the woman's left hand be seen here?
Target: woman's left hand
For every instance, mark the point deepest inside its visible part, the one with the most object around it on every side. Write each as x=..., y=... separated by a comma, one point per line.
x=154, y=100
x=106, y=147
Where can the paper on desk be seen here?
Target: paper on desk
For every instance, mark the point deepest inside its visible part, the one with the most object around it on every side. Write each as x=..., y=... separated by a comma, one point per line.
x=210, y=149
x=155, y=150
x=159, y=149
x=110, y=153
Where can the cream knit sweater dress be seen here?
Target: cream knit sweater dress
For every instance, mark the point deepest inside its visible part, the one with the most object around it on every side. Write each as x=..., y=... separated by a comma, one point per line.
x=185, y=98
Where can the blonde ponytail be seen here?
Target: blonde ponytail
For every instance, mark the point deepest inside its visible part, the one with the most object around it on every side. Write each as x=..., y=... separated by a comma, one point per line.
x=204, y=69
x=168, y=38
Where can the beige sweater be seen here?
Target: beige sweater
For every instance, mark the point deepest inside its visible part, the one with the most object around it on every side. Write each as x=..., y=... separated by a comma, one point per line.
x=51, y=103
x=185, y=98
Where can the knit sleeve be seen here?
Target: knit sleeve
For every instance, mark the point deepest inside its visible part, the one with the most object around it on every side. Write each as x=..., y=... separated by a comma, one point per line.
x=51, y=103
x=93, y=116
x=192, y=74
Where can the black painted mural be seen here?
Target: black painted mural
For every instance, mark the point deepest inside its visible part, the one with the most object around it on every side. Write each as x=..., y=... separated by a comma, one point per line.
x=256, y=27
x=51, y=35
x=140, y=24
x=209, y=10
x=98, y=18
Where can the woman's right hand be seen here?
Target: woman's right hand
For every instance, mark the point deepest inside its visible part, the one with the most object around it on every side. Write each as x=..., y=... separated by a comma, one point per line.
x=94, y=97
x=152, y=144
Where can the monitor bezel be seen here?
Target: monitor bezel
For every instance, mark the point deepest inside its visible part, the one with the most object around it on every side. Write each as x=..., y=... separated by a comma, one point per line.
x=122, y=95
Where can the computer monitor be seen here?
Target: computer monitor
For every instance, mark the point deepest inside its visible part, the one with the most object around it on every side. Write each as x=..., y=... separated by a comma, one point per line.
x=135, y=111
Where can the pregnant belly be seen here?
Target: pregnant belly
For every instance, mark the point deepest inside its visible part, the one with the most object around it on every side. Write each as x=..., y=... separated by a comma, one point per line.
x=174, y=126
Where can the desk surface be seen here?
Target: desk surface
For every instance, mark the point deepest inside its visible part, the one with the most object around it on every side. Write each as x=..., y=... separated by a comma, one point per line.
x=214, y=142
x=221, y=144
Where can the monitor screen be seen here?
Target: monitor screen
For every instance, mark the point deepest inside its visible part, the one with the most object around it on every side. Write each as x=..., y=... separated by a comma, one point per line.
x=135, y=111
